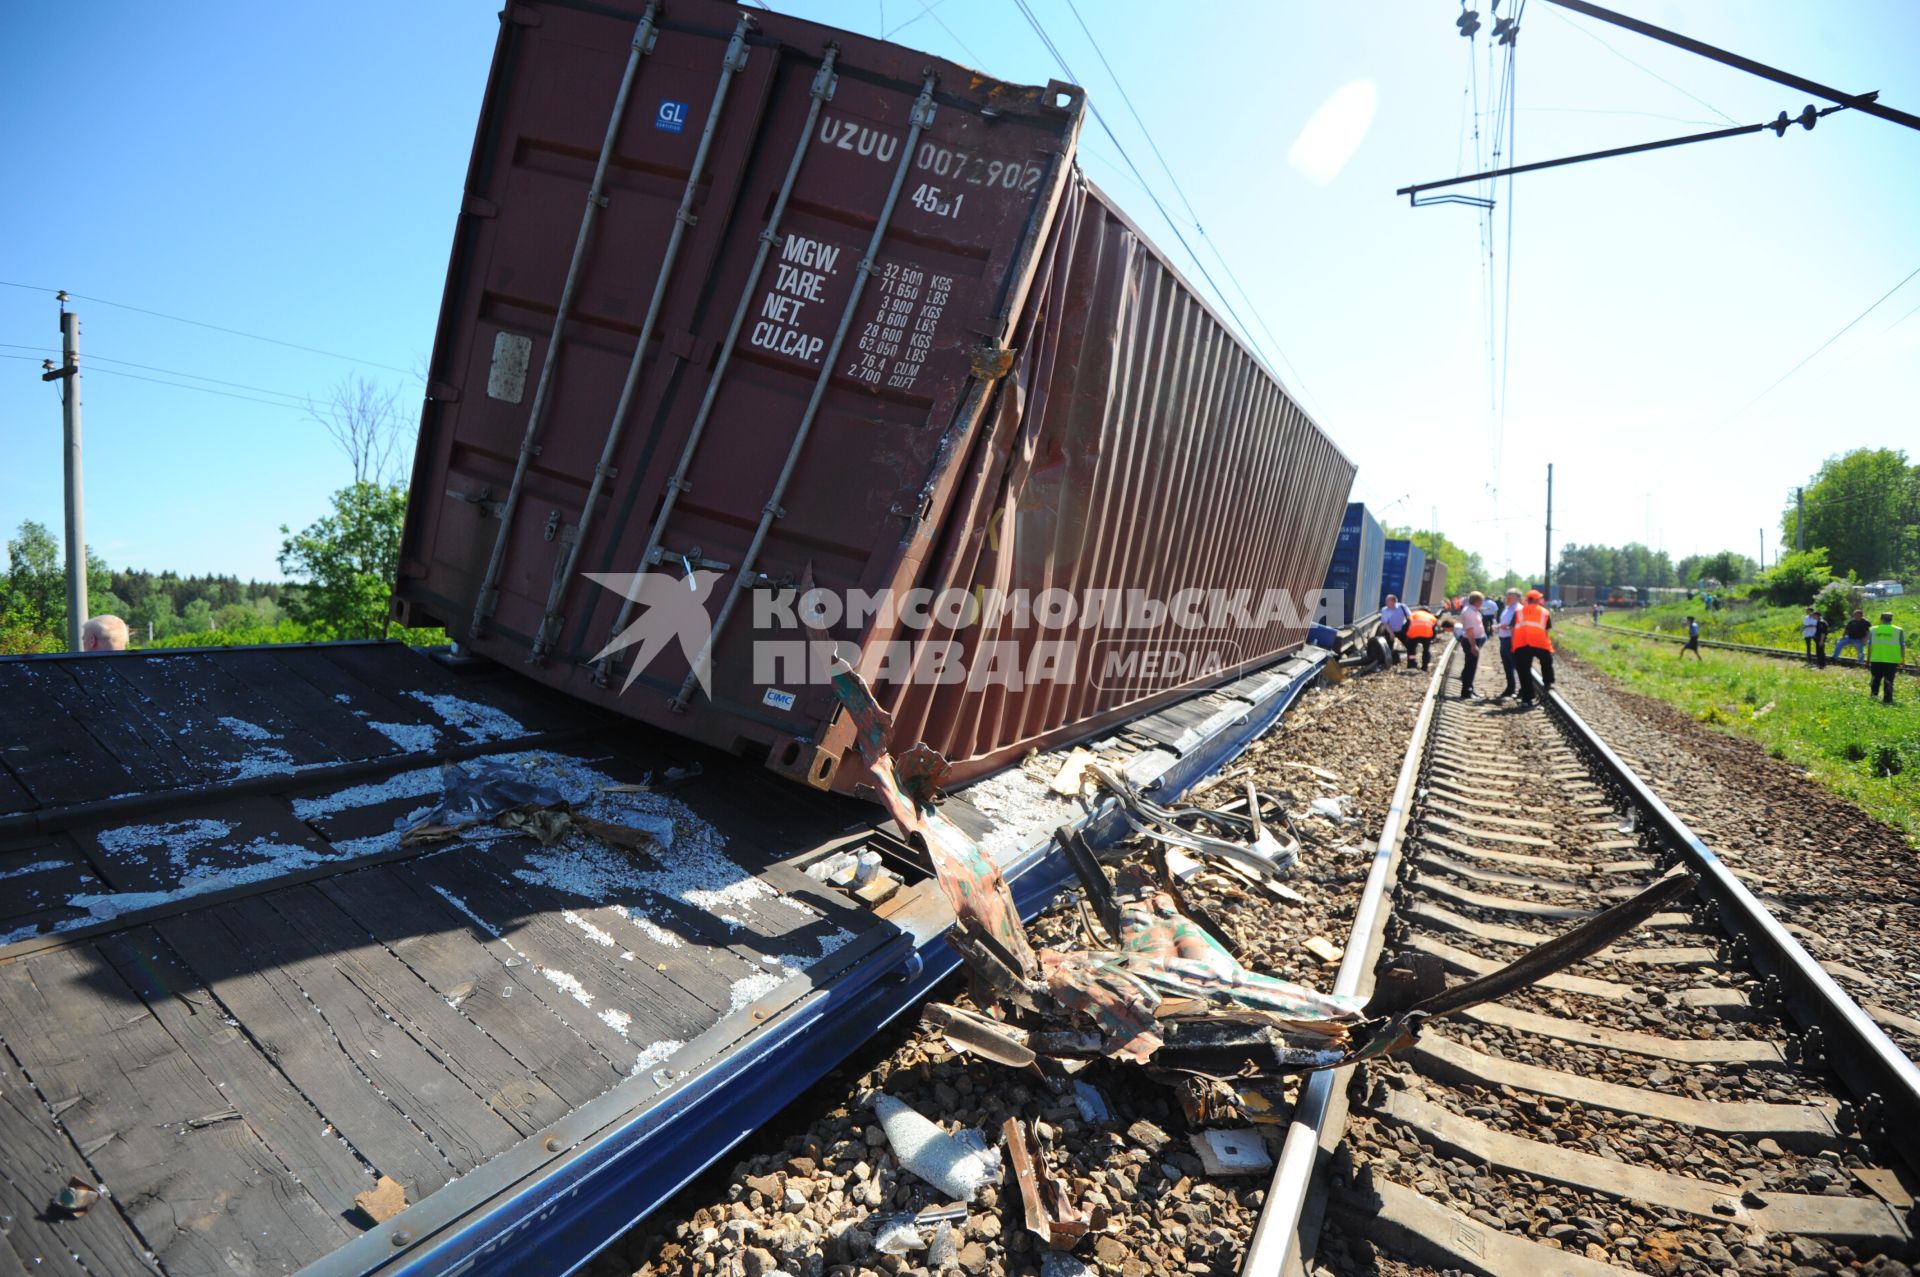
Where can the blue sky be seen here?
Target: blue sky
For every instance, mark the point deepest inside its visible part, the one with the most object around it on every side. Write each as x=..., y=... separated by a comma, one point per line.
x=294, y=172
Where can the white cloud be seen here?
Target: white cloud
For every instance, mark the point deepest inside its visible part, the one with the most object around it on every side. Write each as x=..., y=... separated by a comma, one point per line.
x=1334, y=133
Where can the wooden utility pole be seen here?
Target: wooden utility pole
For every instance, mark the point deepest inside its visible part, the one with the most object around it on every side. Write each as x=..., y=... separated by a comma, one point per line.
x=1548, y=579
x=68, y=375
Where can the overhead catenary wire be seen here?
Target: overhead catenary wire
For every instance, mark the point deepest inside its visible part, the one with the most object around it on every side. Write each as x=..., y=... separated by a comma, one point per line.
x=1225, y=267
x=1828, y=342
x=1603, y=43
x=1160, y=206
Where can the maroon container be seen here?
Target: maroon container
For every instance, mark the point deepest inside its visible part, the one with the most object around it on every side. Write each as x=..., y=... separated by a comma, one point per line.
x=1018, y=394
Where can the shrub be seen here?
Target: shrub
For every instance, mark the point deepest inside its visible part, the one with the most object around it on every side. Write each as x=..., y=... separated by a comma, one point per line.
x=1836, y=601
x=1887, y=760
x=1797, y=578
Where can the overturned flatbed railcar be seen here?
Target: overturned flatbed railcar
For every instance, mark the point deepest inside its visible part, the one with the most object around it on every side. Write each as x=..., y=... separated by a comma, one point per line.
x=765, y=343
x=235, y=997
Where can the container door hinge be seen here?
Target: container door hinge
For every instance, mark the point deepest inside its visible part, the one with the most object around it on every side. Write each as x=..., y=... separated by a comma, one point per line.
x=478, y=206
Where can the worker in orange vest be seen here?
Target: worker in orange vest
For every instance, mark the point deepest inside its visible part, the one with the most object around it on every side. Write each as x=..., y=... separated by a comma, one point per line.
x=1531, y=643
x=1419, y=632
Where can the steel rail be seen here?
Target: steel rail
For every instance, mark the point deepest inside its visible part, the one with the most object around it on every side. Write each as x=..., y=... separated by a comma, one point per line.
x=1275, y=1244
x=1777, y=653
x=1838, y=1028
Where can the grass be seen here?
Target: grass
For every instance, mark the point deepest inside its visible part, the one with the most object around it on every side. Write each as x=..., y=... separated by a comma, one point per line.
x=1755, y=624
x=1820, y=720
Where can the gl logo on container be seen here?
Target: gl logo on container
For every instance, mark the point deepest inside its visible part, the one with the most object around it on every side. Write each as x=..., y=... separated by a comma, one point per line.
x=671, y=117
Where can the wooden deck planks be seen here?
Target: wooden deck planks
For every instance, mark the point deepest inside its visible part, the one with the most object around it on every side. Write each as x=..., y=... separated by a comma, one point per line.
x=299, y=1040
x=503, y=1083
x=39, y=1161
x=437, y=945
x=706, y=962
x=677, y=1003
x=65, y=763
x=277, y=679
x=101, y=702
x=296, y=1131
x=204, y=1198
x=253, y=940
x=148, y=853
x=37, y=878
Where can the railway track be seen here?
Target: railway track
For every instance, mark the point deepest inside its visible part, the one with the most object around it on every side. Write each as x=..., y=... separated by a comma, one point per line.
x=1776, y=653
x=1699, y=1097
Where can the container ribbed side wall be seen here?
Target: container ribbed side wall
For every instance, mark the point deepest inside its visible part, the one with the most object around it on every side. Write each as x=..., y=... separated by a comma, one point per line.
x=1353, y=575
x=1136, y=451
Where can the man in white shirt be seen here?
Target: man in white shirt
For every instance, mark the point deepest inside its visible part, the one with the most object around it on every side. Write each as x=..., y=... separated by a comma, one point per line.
x=1505, y=634
x=1473, y=632
x=1393, y=619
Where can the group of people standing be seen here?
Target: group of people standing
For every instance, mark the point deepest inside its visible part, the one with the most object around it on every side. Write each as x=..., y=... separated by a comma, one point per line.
x=1521, y=627
x=1883, y=647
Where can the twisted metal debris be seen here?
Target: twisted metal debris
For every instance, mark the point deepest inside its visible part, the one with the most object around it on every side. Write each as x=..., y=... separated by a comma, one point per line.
x=1167, y=990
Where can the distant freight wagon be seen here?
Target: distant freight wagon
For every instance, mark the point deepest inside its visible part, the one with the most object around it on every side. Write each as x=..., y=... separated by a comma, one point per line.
x=763, y=342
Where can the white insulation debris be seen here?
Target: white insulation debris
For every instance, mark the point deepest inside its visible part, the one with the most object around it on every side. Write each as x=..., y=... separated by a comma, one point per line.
x=476, y=721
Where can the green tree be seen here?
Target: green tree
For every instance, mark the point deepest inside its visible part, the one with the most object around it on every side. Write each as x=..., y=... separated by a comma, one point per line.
x=36, y=588
x=345, y=563
x=1864, y=507
x=1465, y=569
x=197, y=618
x=1797, y=578
x=1727, y=567
x=156, y=613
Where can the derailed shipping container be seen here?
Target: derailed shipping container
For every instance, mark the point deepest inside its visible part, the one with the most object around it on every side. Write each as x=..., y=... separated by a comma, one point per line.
x=763, y=340
x=1401, y=567
x=1353, y=574
x=1433, y=583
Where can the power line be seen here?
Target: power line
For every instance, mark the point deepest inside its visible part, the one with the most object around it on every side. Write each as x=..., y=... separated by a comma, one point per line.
x=92, y=359
x=1201, y=266
x=1828, y=342
x=1225, y=267
x=925, y=10
x=1599, y=110
x=197, y=323
x=1506, y=304
x=205, y=390
x=1595, y=37
x=301, y=400
x=177, y=385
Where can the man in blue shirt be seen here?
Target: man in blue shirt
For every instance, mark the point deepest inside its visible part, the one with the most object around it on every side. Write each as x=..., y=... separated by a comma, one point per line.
x=1393, y=618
